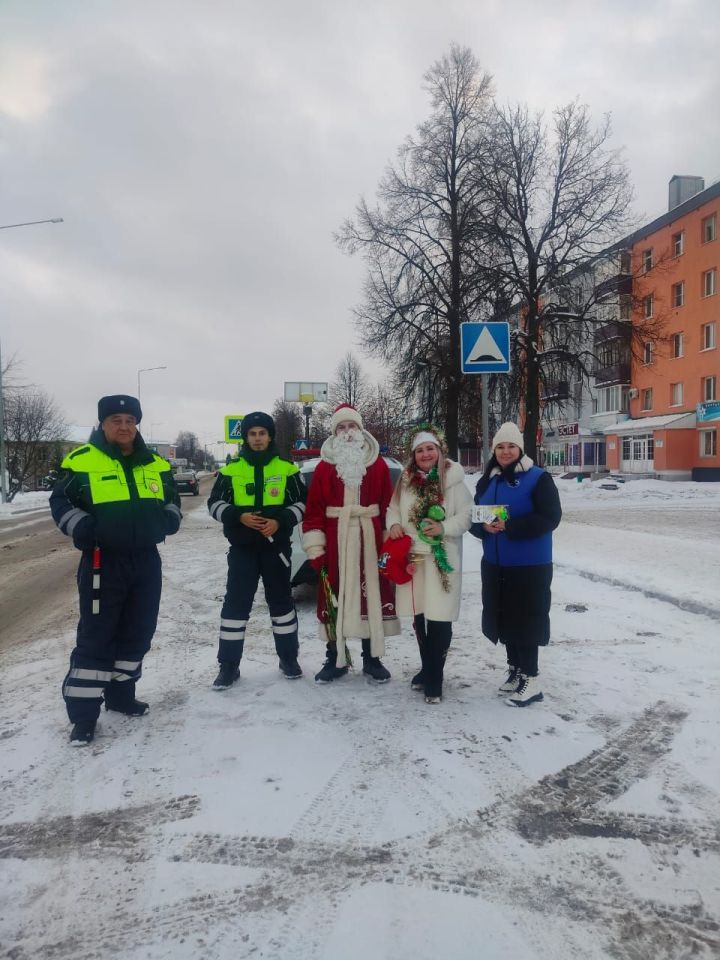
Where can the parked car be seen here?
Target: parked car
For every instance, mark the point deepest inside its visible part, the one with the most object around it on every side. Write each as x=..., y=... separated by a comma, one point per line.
x=300, y=569
x=186, y=481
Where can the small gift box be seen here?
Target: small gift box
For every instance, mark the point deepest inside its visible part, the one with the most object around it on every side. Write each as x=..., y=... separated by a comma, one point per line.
x=488, y=513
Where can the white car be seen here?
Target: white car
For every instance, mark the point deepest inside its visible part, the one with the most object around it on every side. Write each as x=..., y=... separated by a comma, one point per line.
x=300, y=569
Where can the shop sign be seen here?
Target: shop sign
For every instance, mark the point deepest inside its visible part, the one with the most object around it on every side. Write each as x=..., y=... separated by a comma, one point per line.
x=568, y=429
x=710, y=410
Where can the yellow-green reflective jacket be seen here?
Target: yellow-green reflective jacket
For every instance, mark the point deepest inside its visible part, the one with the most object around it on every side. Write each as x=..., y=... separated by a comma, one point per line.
x=274, y=481
x=121, y=503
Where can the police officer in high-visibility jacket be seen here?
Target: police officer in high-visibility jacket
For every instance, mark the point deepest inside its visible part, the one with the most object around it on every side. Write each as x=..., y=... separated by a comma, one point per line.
x=117, y=500
x=258, y=498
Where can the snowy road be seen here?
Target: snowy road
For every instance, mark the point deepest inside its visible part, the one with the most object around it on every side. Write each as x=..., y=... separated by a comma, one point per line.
x=286, y=820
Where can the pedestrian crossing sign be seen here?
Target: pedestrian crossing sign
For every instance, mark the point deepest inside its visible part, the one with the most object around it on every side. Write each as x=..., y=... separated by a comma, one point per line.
x=485, y=347
x=233, y=424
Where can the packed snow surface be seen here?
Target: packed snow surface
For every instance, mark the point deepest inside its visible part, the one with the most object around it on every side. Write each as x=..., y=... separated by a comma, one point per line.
x=287, y=819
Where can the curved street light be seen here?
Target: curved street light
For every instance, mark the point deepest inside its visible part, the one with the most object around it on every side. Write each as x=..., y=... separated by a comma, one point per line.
x=146, y=370
x=29, y=223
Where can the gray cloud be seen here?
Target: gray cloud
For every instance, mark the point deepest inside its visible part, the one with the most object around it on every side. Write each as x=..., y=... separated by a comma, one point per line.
x=203, y=154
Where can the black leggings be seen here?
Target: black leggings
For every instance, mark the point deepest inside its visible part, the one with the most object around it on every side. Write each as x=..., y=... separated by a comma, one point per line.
x=433, y=637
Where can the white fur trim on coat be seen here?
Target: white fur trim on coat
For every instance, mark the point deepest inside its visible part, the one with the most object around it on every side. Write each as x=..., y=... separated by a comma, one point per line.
x=314, y=543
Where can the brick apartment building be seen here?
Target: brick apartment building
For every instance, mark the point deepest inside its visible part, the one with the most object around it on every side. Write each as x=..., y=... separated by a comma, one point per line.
x=674, y=407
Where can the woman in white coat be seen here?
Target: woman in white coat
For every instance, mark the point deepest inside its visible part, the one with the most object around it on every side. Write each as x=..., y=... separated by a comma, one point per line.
x=432, y=505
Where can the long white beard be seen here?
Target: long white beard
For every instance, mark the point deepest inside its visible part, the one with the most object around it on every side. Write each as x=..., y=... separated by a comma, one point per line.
x=349, y=454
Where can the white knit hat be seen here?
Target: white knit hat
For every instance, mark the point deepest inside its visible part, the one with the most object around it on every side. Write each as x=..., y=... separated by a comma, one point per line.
x=424, y=436
x=509, y=433
x=342, y=413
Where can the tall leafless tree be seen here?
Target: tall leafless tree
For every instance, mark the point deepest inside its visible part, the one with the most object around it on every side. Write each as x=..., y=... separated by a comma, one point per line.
x=350, y=384
x=421, y=242
x=560, y=199
x=34, y=427
x=288, y=426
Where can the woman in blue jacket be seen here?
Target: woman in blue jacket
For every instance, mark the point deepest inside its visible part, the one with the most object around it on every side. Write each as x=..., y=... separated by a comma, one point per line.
x=517, y=564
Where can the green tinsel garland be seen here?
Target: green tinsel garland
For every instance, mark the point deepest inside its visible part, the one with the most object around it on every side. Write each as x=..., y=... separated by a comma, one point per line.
x=428, y=505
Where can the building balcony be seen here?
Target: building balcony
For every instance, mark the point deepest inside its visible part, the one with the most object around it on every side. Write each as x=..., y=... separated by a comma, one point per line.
x=608, y=376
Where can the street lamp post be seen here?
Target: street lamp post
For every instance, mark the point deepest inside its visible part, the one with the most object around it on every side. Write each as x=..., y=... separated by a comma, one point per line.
x=3, y=475
x=146, y=370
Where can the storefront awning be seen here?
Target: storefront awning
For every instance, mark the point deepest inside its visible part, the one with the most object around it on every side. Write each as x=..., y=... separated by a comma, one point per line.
x=671, y=421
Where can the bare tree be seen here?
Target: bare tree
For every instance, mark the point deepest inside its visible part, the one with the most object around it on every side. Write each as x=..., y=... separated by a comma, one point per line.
x=381, y=418
x=560, y=199
x=421, y=243
x=187, y=446
x=34, y=426
x=350, y=384
x=288, y=426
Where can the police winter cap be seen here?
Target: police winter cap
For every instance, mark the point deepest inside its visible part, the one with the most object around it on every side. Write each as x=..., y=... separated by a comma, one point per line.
x=257, y=419
x=119, y=403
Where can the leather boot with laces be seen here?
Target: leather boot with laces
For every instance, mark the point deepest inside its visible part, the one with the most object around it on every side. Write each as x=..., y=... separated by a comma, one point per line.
x=228, y=674
x=510, y=685
x=330, y=670
x=528, y=692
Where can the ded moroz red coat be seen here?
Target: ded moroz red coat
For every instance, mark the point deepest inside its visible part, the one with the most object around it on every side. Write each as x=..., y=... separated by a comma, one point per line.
x=346, y=524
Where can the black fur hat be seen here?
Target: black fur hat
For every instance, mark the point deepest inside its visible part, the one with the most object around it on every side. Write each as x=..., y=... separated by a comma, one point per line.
x=257, y=419
x=119, y=403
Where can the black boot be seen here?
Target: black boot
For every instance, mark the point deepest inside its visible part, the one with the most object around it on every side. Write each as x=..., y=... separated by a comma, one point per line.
x=439, y=635
x=133, y=708
x=330, y=670
x=418, y=681
x=372, y=666
x=229, y=673
x=82, y=733
x=291, y=668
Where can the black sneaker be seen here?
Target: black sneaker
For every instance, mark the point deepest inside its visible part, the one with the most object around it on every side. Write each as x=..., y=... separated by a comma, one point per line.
x=330, y=671
x=82, y=733
x=291, y=668
x=136, y=708
x=418, y=682
x=228, y=674
x=373, y=668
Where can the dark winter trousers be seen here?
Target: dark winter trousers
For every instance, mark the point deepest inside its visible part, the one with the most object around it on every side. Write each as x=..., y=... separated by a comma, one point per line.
x=111, y=644
x=524, y=656
x=246, y=565
x=433, y=637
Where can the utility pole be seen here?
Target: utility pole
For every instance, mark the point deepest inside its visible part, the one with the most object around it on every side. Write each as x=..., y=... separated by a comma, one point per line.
x=3, y=474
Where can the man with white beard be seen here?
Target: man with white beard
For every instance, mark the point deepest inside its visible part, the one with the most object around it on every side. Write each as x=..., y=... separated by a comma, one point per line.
x=343, y=533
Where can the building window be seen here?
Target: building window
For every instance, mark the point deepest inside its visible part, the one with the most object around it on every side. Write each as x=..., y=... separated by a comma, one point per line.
x=625, y=307
x=678, y=244
x=647, y=353
x=647, y=398
x=677, y=345
x=676, y=394
x=626, y=448
x=611, y=400
x=708, y=443
x=709, y=282
x=709, y=388
x=678, y=294
x=709, y=229
x=648, y=306
x=708, y=336
x=647, y=260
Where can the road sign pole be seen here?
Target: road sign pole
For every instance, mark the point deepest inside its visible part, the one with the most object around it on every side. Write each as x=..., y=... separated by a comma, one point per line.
x=484, y=384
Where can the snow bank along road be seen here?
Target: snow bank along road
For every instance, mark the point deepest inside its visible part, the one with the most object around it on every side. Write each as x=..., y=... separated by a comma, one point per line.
x=287, y=820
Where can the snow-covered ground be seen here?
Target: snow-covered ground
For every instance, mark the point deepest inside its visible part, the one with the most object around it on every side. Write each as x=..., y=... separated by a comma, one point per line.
x=290, y=820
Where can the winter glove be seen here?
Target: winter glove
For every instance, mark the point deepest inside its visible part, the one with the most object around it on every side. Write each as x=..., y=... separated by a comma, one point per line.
x=317, y=563
x=84, y=533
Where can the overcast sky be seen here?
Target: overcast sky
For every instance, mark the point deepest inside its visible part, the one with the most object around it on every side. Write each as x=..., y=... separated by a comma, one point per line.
x=203, y=153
